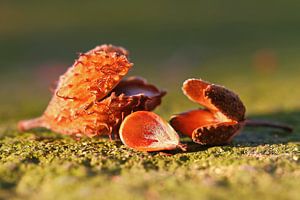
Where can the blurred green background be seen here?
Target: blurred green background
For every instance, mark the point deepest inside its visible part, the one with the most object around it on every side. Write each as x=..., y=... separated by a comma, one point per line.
x=249, y=46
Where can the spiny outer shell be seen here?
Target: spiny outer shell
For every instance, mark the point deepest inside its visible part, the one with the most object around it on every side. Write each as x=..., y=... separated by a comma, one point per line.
x=111, y=49
x=102, y=117
x=89, y=80
x=146, y=131
x=215, y=98
x=85, y=103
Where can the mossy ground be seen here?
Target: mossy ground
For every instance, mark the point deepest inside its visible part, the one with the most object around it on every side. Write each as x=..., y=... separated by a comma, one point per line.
x=262, y=163
x=251, y=47
x=43, y=165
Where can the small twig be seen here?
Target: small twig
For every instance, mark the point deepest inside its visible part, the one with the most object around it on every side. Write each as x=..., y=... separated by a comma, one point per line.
x=255, y=123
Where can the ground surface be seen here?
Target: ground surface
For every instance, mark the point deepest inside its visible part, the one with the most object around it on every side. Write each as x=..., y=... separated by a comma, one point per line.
x=250, y=47
x=259, y=162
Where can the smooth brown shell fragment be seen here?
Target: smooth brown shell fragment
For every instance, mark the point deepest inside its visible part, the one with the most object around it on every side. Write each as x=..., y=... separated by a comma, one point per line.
x=85, y=102
x=137, y=86
x=221, y=119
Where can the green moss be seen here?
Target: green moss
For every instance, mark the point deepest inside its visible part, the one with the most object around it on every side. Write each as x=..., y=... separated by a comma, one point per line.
x=262, y=163
x=49, y=166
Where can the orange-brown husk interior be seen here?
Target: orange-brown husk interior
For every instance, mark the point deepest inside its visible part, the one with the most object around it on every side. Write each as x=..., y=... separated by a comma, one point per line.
x=142, y=129
x=223, y=108
x=187, y=122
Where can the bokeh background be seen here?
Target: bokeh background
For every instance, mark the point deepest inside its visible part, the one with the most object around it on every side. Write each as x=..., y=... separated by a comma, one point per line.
x=251, y=47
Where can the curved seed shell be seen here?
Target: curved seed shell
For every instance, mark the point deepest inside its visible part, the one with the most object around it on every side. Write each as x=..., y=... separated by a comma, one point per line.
x=217, y=134
x=146, y=131
x=219, y=122
x=187, y=122
x=137, y=86
x=215, y=98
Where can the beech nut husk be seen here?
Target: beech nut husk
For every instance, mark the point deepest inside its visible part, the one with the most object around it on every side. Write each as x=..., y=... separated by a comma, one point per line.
x=92, y=99
x=218, y=122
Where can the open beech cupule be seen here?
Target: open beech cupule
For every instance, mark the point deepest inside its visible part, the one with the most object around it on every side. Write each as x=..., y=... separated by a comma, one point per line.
x=92, y=99
x=222, y=117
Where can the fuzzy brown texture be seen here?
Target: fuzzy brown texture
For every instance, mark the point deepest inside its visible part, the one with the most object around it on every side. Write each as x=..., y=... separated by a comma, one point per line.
x=215, y=135
x=215, y=98
x=84, y=102
x=219, y=122
x=227, y=102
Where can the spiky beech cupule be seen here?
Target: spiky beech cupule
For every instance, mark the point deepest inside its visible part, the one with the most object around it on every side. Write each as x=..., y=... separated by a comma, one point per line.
x=88, y=99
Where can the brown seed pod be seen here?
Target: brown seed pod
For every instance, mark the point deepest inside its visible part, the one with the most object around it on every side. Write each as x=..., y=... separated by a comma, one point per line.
x=135, y=86
x=85, y=102
x=221, y=119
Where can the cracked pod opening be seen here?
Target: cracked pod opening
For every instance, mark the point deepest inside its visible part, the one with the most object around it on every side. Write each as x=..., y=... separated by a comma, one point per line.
x=218, y=122
x=85, y=102
x=138, y=86
x=146, y=131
